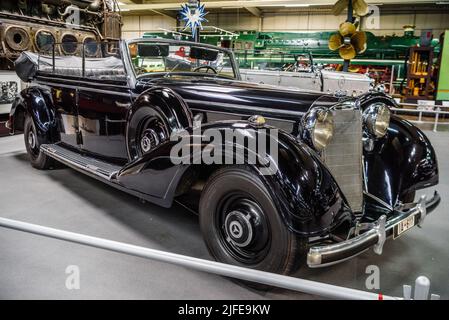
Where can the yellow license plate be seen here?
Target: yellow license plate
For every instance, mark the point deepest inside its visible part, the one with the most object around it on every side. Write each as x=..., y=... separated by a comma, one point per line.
x=403, y=226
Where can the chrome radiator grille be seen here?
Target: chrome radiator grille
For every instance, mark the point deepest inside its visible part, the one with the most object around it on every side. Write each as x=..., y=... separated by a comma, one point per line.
x=344, y=155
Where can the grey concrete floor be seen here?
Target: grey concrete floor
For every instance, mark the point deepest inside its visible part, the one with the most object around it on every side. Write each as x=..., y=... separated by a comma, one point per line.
x=33, y=267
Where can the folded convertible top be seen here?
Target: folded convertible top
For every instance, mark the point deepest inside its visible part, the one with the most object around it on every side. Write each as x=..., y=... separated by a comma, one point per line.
x=28, y=64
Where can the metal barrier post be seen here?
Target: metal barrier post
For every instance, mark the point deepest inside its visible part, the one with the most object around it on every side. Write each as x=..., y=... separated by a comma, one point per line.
x=422, y=288
x=436, y=122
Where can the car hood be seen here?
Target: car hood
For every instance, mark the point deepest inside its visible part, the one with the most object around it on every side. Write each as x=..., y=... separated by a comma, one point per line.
x=245, y=98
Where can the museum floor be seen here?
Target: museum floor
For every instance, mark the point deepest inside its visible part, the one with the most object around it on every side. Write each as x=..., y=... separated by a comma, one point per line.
x=33, y=267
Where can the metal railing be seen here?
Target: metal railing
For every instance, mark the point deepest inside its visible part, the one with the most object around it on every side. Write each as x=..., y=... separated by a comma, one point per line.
x=422, y=284
x=419, y=111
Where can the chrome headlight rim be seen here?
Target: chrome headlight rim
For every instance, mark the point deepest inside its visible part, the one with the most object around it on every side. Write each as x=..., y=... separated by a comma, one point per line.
x=319, y=128
x=376, y=119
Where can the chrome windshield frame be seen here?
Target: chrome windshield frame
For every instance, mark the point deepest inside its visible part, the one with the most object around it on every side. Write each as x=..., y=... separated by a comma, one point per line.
x=133, y=77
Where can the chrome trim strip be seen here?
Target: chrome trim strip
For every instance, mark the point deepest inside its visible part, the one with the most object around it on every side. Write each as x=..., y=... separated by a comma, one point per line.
x=241, y=114
x=96, y=82
x=84, y=88
x=244, y=107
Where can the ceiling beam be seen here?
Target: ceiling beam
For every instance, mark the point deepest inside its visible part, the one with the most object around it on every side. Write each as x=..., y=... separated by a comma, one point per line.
x=132, y=1
x=254, y=11
x=163, y=14
x=256, y=4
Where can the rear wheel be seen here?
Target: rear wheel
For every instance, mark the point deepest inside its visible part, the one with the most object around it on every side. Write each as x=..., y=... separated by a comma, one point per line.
x=242, y=226
x=38, y=159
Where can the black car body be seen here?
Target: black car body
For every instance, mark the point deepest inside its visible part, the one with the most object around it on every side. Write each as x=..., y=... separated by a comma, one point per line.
x=331, y=201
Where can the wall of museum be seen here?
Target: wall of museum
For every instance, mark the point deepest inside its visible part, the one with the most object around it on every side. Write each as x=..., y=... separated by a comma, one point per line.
x=135, y=26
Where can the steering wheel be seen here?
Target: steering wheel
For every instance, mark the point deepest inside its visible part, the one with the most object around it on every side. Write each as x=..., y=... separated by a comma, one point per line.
x=205, y=67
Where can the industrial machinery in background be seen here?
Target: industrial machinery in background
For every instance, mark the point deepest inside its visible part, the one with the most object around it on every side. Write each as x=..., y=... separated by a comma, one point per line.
x=41, y=25
x=35, y=25
x=420, y=82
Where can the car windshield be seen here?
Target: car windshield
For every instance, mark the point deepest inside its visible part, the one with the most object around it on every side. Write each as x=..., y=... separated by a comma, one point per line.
x=179, y=58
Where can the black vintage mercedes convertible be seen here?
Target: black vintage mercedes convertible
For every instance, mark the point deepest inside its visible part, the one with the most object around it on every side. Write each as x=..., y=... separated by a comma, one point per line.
x=343, y=176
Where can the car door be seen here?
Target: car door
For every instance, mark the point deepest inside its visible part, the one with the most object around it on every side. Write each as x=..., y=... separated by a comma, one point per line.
x=102, y=105
x=64, y=99
x=102, y=110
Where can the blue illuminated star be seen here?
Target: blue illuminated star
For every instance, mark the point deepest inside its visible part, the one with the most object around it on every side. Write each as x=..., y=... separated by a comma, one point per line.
x=193, y=20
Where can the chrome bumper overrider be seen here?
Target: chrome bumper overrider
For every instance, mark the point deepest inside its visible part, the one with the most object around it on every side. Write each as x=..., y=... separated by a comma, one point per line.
x=375, y=236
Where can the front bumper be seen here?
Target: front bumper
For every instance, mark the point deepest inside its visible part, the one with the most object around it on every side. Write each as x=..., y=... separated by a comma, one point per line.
x=375, y=236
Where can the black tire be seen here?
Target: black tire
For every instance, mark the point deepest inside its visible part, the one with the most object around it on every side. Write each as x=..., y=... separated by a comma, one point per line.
x=32, y=143
x=272, y=247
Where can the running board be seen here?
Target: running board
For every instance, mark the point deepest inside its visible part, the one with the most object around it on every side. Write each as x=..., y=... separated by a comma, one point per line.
x=76, y=160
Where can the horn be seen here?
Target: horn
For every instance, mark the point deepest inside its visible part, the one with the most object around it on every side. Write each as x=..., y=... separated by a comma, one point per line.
x=339, y=6
x=348, y=41
x=346, y=29
x=360, y=7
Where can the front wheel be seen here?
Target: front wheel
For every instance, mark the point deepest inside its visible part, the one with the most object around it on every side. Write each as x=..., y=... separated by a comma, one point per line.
x=38, y=159
x=242, y=226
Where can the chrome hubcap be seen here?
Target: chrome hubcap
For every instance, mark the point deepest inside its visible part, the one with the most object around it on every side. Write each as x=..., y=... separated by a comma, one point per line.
x=238, y=228
x=149, y=140
x=243, y=228
x=32, y=140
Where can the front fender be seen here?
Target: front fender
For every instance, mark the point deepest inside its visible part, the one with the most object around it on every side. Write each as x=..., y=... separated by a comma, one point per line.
x=306, y=194
x=401, y=162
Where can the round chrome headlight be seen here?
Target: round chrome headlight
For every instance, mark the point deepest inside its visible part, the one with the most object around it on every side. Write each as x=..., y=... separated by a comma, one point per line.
x=319, y=128
x=377, y=119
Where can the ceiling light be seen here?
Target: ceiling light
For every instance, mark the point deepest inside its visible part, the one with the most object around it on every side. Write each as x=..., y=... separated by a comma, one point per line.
x=297, y=5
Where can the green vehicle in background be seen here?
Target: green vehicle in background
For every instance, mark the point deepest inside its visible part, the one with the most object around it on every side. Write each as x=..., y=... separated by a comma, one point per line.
x=273, y=50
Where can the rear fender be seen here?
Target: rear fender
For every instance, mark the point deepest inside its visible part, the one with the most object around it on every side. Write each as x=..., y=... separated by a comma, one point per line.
x=161, y=102
x=38, y=103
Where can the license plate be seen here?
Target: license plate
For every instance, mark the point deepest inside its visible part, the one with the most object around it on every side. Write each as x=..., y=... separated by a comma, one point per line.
x=403, y=226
